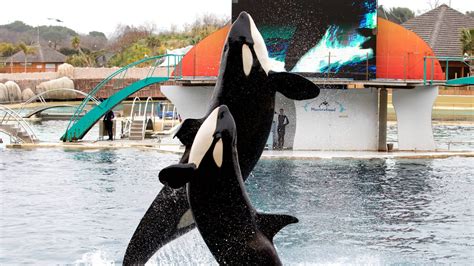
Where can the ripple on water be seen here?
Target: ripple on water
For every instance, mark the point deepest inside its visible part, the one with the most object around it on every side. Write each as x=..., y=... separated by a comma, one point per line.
x=63, y=207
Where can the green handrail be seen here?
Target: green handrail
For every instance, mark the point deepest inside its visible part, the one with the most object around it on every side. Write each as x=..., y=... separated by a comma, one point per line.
x=123, y=71
x=448, y=59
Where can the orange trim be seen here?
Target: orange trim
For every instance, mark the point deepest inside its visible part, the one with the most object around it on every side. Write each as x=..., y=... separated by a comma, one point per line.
x=203, y=59
x=400, y=54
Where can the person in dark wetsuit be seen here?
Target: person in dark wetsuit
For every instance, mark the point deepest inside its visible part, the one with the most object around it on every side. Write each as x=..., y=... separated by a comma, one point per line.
x=282, y=123
x=108, y=123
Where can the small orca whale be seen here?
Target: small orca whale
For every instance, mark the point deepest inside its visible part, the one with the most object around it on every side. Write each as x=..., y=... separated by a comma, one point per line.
x=247, y=85
x=231, y=227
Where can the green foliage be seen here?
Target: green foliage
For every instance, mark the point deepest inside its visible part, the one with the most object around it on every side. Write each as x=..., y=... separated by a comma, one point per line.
x=97, y=34
x=397, y=15
x=130, y=43
x=68, y=51
x=8, y=49
x=27, y=49
x=75, y=42
x=402, y=14
x=79, y=60
x=135, y=52
x=467, y=40
x=18, y=26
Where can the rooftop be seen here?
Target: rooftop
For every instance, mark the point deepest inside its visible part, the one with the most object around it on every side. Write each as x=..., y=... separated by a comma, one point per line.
x=441, y=29
x=43, y=54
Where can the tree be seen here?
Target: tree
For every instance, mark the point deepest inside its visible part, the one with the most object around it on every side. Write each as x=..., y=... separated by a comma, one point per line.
x=467, y=40
x=82, y=57
x=27, y=50
x=402, y=14
x=8, y=49
x=470, y=13
x=97, y=34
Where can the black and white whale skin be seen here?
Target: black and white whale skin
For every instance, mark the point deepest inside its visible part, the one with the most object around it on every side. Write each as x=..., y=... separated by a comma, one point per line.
x=247, y=85
x=232, y=229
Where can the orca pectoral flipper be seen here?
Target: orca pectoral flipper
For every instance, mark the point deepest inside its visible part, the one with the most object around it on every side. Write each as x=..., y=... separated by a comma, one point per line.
x=293, y=86
x=188, y=130
x=271, y=224
x=177, y=175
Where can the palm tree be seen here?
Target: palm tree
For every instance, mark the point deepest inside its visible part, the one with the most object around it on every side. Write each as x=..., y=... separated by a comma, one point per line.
x=26, y=50
x=76, y=44
x=467, y=40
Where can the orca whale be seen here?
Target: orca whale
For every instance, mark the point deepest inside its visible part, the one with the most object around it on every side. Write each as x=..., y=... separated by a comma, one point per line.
x=247, y=85
x=230, y=226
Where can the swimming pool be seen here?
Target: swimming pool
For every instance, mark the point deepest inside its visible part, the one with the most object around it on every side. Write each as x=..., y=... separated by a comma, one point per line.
x=71, y=207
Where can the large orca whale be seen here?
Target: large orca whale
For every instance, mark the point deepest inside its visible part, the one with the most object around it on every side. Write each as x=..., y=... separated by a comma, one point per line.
x=230, y=226
x=247, y=85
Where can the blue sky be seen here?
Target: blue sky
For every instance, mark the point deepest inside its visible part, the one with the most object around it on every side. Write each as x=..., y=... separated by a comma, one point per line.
x=106, y=15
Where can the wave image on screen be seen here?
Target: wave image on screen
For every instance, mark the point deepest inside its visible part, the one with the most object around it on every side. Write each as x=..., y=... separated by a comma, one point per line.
x=333, y=38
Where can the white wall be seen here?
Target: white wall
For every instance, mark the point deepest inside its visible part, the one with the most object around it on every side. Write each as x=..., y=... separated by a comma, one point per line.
x=349, y=121
x=191, y=102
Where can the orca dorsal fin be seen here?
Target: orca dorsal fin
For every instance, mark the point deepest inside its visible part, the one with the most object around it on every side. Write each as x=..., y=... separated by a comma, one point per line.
x=187, y=131
x=177, y=175
x=293, y=86
x=271, y=224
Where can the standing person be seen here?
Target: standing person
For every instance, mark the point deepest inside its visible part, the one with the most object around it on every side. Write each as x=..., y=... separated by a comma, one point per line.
x=109, y=123
x=282, y=123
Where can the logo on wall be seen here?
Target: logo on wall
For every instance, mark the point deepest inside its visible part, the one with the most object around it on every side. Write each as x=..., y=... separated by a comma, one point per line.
x=325, y=106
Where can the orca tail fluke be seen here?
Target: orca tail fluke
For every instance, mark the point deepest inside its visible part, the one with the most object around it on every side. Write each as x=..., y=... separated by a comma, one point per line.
x=271, y=224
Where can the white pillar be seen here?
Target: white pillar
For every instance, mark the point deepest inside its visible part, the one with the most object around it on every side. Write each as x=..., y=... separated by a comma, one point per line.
x=414, y=109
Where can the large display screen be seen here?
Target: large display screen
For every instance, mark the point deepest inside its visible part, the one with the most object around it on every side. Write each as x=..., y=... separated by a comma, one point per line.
x=333, y=38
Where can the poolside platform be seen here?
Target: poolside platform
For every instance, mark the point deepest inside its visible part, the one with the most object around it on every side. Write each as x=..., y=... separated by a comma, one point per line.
x=267, y=154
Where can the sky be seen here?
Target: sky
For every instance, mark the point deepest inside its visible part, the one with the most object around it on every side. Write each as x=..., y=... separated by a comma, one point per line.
x=104, y=15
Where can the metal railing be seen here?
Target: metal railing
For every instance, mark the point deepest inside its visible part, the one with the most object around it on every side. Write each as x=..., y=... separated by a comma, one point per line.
x=12, y=118
x=152, y=62
x=40, y=97
x=145, y=120
x=429, y=66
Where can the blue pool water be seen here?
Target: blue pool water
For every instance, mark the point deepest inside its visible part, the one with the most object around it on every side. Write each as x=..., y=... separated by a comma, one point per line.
x=81, y=207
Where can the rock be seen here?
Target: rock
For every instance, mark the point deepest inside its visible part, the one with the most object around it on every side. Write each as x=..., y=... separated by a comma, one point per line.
x=27, y=94
x=3, y=93
x=54, y=86
x=66, y=70
x=14, y=91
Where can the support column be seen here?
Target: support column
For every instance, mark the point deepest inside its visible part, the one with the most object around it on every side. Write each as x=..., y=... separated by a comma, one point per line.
x=414, y=111
x=383, y=120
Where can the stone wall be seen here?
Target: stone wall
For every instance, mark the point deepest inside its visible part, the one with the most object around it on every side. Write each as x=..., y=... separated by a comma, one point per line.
x=85, y=73
x=85, y=79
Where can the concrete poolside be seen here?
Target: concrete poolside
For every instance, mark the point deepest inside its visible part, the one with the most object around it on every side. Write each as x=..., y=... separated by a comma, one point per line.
x=267, y=154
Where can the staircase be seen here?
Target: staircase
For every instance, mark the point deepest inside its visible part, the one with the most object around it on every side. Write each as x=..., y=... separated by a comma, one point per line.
x=15, y=132
x=136, y=130
x=12, y=124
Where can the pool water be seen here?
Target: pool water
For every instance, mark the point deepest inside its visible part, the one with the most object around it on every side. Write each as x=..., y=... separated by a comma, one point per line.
x=81, y=207
x=447, y=137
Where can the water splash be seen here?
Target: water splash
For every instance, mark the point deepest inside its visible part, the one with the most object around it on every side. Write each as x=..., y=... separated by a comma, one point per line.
x=332, y=53
x=95, y=258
